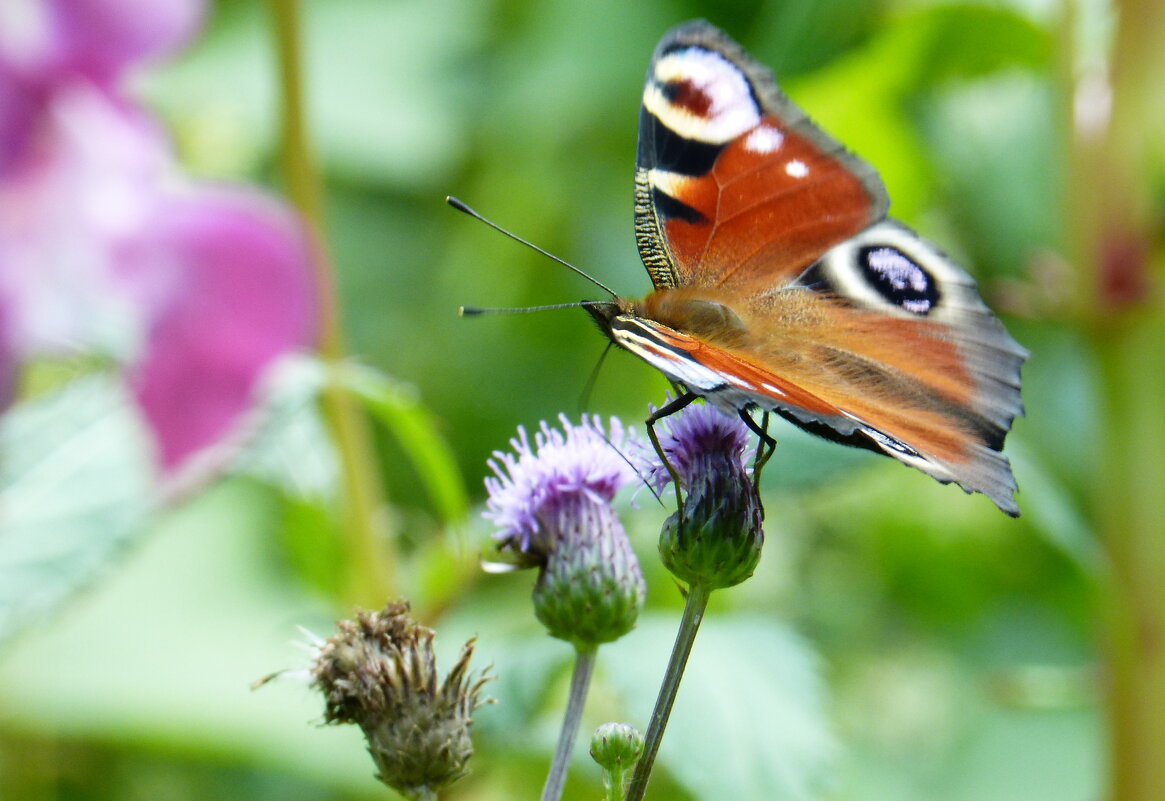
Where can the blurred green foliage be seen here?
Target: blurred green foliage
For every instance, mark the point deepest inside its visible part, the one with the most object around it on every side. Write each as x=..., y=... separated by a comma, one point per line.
x=941, y=651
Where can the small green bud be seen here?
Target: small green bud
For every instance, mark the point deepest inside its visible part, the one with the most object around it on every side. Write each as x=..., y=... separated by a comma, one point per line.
x=616, y=746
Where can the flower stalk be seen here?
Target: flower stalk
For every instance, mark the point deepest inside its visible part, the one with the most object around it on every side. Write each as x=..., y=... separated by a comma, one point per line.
x=712, y=541
x=694, y=606
x=370, y=542
x=580, y=682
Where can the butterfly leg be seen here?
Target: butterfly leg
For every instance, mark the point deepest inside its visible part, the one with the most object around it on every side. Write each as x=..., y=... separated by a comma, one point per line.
x=765, y=448
x=664, y=411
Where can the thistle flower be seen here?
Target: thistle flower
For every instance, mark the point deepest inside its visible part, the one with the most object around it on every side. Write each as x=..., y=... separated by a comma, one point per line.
x=551, y=501
x=378, y=671
x=715, y=538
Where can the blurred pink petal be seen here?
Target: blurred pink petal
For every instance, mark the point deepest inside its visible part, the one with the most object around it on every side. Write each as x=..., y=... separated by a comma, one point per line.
x=238, y=295
x=100, y=38
x=105, y=248
x=21, y=103
x=51, y=45
x=94, y=39
x=72, y=206
x=7, y=358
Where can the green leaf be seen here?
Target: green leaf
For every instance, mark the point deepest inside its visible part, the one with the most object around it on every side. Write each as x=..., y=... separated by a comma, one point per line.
x=292, y=449
x=75, y=487
x=396, y=407
x=294, y=452
x=160, y=658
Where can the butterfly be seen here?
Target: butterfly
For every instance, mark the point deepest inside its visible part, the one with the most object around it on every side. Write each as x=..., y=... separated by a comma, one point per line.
x=781, y=285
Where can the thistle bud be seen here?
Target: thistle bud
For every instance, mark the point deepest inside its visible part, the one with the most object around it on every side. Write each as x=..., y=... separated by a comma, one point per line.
x=552, y=503
x=616, y=746
x=714, y=539
x=378, y=671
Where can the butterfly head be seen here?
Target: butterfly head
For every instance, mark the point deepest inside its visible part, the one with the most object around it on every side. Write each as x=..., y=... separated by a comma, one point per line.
x=605, y=312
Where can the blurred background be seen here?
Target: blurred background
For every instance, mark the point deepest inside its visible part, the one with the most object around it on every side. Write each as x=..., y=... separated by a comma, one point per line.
x=900, y=640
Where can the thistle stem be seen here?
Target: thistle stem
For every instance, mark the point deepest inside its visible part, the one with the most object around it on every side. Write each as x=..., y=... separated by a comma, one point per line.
x=580, y=682
x=369, y=543
x=696, y=603
x=615, y=785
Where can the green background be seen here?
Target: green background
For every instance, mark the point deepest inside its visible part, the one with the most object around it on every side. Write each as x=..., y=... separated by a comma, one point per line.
x=900, y=640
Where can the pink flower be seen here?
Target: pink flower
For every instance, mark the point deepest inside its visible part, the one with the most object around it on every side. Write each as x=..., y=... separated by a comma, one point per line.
x=106, y=248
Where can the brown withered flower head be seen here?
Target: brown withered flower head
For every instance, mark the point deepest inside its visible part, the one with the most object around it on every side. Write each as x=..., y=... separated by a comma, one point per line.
x=379, y=672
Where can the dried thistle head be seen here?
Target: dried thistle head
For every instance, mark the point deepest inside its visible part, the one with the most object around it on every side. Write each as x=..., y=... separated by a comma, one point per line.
x=379, y=672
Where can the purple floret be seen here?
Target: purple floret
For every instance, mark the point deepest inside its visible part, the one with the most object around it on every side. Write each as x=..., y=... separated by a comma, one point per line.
x=535, y=479
x=689, y=435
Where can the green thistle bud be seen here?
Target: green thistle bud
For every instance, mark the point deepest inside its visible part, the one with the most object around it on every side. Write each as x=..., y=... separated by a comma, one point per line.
x=616, y=746
x=590, y=590
x=379, y=672
x=552, y=502
x=715, y=539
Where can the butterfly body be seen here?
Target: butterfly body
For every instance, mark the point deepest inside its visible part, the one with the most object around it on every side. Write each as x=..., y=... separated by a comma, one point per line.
x=781, y=285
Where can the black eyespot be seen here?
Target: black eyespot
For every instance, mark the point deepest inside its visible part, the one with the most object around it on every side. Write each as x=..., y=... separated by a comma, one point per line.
x=898, y=278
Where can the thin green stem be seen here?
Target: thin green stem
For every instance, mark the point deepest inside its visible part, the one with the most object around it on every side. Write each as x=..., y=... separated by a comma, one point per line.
x=697, y=602
x=580, y=682
x=616, y=789
x=370, y=545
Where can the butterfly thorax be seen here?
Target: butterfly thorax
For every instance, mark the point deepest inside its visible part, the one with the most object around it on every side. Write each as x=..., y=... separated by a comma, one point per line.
x=694, y=311
x=691, y=311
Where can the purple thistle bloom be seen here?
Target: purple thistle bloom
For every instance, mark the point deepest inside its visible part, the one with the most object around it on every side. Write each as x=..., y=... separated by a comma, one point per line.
x=688, y=437
x=552, y=504
x=533, y=481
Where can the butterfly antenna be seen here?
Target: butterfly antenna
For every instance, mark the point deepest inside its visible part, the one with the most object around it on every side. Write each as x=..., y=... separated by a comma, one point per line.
x=462, y=207
x=473, y=311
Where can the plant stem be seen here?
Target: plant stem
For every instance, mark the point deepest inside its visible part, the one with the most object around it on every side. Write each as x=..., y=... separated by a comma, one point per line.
x=580, y=682
x=615, y=789
x=1116, y=243
x=370, y=558
x=696, y=603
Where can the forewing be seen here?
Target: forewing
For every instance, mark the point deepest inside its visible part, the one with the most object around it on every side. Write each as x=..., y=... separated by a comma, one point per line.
x=733, y=182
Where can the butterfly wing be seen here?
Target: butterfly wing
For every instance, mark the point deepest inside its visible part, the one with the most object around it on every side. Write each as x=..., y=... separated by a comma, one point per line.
x=732, y=181
x=780, y=285
x=882, y=344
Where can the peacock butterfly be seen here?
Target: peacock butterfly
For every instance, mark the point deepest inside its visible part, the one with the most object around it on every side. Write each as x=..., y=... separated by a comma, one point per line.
x=781, y=285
